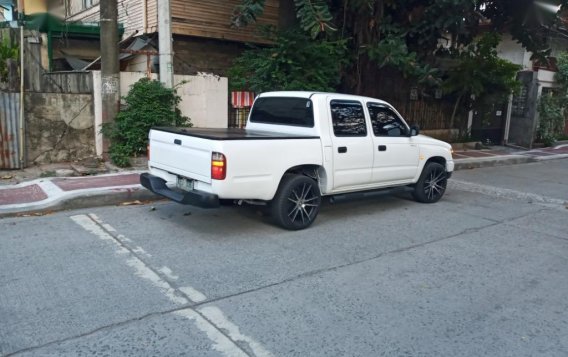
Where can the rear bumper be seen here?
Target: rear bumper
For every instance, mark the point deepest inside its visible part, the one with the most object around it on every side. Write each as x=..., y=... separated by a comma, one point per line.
x=195, y=198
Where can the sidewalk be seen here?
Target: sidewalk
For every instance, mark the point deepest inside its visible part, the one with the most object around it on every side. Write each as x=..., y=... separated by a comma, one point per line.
x=501, y=156
x=43, y=195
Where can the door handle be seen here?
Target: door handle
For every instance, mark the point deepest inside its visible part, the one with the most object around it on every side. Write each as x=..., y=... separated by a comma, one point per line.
x=342, y=149
x=382, y=148
x=177, y=141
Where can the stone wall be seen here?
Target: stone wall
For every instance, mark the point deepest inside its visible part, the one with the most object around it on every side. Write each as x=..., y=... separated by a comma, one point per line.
x=59, y=127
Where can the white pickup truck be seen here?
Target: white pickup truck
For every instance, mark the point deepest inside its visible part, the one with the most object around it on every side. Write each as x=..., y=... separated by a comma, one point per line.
x=298, y=147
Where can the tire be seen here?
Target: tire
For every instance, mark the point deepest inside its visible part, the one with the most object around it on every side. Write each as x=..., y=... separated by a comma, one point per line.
x=296, y=203
x=432, y=183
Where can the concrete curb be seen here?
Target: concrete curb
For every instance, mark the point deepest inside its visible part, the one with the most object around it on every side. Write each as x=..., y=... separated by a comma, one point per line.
x=82, y=199
x=551, y=157
x=476, y=163
x=59, y=200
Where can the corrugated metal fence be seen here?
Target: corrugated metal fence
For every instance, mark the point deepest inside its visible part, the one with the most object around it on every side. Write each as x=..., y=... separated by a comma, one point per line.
x=9, y=129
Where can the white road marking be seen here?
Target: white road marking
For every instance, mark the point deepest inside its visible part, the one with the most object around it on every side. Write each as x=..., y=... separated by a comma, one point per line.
x=139, y=267
x=90, y=226
x=139, y=250
x=192, y=294
x=182, y=296
x=215, y=315
x=504, y=193
x=169, y=274
x=146, y=273
x=50, y=188
x=220, y=342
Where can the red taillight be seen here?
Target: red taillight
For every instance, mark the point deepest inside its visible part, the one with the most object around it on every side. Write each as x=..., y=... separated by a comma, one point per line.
x=218, y=166
x=148, y=152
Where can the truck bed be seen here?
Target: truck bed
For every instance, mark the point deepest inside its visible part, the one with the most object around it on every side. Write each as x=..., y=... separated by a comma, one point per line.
x=231, y=134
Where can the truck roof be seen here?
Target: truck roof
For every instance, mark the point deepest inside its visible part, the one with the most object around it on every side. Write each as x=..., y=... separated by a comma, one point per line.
x=306, y=94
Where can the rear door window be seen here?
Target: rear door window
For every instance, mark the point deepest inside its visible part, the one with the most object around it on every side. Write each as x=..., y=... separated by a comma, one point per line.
x=348, y=118
x=283, y=111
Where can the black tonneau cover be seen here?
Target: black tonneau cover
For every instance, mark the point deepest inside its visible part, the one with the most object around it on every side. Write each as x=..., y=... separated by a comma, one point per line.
x=231, y=134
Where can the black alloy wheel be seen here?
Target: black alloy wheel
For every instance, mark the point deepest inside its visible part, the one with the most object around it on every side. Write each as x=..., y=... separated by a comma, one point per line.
x=432, y=183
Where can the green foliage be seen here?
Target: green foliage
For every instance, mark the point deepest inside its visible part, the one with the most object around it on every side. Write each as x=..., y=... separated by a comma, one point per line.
x=421, y=24
x=527, y=22
x=552, y=106
x=480, y=71
x=480, y=74
x=551, y=109
x=7, y=51
x=148, y=104
x=247, y=12
x=392, y=50
x=314, y=16
x=562, y=74
x=295, y=62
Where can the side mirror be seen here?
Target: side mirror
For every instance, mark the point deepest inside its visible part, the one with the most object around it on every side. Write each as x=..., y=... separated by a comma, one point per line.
x=414, y=130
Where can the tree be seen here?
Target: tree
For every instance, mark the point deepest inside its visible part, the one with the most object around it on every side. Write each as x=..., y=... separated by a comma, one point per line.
x=480, y=72
x=411, y=38
x=406, y=34
x=552, y=106
x=289, y=65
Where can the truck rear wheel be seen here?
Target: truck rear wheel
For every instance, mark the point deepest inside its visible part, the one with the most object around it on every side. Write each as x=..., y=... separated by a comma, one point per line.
x=296, y=203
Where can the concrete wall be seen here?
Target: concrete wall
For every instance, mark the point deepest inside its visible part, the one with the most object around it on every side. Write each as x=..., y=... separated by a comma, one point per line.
x=204, y=100
x=59, y=127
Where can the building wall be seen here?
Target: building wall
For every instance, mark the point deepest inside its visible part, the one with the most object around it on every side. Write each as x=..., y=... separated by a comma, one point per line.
x=130, y=13
x=212, y=19
x=34, y=7
x=201, y=18
x=193, y=55
x=513, y=51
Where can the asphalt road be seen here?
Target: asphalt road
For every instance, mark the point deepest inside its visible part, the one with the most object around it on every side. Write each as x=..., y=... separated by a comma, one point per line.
x=482, y=273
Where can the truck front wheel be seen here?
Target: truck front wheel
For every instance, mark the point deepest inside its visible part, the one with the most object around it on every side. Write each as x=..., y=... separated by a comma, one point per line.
x=296, y=203
x=432, y=183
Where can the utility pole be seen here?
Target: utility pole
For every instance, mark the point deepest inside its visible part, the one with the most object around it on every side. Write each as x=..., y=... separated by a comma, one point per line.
x=110, y=69
x=21, y=134
x=165, y=38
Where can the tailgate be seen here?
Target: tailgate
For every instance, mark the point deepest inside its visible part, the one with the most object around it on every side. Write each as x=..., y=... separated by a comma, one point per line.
x=181, y=154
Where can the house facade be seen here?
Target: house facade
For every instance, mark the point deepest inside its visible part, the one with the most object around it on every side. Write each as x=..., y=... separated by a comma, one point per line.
x=204, y=40
x=521, y=121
